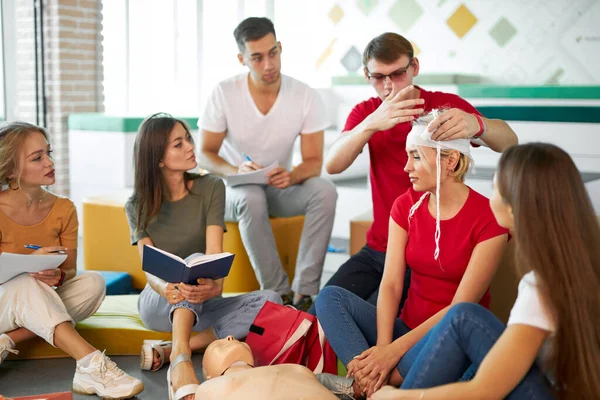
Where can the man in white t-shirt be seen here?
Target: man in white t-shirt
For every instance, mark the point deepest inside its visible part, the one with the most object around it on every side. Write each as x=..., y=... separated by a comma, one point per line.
x=251, y=121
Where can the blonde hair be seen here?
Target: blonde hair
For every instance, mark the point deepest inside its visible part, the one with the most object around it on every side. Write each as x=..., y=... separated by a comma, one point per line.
x=459, y=172
x=464, y=162
x=12, y=137
x=462, y=166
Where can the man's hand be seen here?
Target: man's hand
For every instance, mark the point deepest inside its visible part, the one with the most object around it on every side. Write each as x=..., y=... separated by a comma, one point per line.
x=453, y=124
x=396, y=108
x=248, y=166
x=50, y=277
x=280, y=178
x=205, y=289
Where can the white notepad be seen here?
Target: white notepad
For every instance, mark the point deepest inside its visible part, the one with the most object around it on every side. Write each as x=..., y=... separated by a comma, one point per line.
x=251, y=178
x=12, y=265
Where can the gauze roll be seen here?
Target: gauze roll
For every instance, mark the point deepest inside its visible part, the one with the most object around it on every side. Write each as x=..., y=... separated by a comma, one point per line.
x=420, y=136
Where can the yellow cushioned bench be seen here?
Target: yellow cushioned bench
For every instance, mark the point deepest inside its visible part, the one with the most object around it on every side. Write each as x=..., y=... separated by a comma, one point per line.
x=116, y=327
x=107, y=247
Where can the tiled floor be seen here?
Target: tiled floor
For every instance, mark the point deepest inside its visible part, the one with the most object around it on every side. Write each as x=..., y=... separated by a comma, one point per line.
x=44, y=376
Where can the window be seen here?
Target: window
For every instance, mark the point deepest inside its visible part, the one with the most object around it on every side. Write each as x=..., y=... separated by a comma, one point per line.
x=168, y=55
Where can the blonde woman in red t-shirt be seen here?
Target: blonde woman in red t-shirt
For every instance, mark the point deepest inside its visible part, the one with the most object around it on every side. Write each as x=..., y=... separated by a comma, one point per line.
x=447, y=234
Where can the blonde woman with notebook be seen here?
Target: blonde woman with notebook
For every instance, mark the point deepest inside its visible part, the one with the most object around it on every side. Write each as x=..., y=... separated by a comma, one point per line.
x=48, y=303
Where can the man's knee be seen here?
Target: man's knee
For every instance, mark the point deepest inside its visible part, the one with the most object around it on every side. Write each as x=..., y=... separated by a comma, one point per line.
x=251, y=200
x=324, y=192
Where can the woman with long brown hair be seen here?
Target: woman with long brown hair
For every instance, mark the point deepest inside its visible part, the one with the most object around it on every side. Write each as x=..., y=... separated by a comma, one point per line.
x=540, y=197
x=182, y=213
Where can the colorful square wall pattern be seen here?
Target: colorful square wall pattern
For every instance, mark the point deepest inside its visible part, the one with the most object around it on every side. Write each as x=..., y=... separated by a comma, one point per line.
x=503, y=31
x=405, y=13
x=461, y=21
x=352, y=60
x=416, y=49
x=336, y=14
x=325, y=55
x=366, y=6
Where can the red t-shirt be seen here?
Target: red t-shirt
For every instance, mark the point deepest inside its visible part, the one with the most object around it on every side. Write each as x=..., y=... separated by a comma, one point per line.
x=387, y=150
x=433, y=283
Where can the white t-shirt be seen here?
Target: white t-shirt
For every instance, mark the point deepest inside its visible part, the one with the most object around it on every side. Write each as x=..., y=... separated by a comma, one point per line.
x=297, y=110
x=528, y=308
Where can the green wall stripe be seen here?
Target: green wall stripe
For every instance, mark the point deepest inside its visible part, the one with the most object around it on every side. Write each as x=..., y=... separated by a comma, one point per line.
x=422, y=79
x=469, y=87
x=112, y=123
x=590, y=114
x=542, y=113
x=529, y=92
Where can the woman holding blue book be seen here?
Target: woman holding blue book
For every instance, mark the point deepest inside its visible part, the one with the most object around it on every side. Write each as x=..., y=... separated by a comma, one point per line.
x=48, y=303
x=182, y=213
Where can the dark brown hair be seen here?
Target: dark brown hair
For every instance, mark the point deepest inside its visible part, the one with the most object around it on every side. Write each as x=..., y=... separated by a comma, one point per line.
x=387, y=48
x=12, y=137
x=251, y=29
x=558, y=237
x=149, y=186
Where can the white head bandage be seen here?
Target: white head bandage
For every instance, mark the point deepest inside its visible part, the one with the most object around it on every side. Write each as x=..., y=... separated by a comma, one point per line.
x=419, y=136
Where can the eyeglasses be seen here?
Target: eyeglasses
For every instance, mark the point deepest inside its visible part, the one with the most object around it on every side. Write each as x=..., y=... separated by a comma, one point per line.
x=395, y=76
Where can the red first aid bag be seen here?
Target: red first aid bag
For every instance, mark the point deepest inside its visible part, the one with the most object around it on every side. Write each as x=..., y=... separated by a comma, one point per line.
x=284, y=335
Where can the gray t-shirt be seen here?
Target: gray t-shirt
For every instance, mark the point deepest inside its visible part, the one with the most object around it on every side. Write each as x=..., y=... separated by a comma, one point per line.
x=180, y=226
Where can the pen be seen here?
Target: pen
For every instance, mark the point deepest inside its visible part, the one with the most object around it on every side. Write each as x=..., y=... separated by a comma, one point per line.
x=247, y=157
x=35, y=247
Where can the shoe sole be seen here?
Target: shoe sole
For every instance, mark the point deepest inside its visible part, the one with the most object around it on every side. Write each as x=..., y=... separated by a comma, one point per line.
x=137, y=389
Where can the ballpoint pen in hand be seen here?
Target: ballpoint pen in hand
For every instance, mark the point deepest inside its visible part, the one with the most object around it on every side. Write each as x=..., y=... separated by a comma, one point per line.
x=36, y=247
x=247, y=157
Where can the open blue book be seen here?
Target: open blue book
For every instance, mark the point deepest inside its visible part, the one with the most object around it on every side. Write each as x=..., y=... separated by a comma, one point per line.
x=175, y=269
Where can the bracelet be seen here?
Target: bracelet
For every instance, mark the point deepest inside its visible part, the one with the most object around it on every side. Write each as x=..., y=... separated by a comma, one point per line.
x=482, y=127
x=63, y=274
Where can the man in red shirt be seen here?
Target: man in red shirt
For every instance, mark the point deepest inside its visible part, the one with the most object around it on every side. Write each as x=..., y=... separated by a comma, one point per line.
x=383, y=122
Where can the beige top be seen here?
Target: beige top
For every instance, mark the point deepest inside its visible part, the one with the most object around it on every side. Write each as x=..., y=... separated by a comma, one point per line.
x=58, y=228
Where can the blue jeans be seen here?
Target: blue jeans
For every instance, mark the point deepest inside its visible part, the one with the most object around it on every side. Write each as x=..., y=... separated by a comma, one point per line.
x=350, y=324
x=362, y=274
x=463, y=337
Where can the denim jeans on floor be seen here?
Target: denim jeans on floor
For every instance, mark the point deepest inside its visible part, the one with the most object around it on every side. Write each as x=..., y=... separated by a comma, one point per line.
x=350, y=325
x=463, y=337
x=362, y=274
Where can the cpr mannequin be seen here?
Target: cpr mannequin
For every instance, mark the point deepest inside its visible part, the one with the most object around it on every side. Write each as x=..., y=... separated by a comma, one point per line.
x=229, y=373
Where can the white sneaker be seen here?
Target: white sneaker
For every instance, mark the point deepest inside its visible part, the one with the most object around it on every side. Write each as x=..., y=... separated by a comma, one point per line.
x=104, y=378
x=6, y=346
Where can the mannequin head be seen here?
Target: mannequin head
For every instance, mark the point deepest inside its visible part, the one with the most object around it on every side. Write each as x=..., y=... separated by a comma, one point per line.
x=222, y=353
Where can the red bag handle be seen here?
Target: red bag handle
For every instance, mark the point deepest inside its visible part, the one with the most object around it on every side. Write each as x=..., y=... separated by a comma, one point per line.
x=298, y=334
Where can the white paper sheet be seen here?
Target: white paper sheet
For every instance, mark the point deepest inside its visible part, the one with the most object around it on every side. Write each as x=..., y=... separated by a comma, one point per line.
x=12, y=265
x=251, y=178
